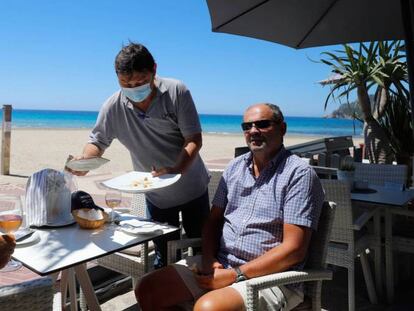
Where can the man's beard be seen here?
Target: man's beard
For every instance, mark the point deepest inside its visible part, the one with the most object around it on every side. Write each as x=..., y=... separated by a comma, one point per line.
x=257, y=148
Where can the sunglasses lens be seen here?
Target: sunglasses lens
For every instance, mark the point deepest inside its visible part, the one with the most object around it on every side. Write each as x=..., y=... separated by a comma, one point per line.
x=246, y=126
x=263, y=124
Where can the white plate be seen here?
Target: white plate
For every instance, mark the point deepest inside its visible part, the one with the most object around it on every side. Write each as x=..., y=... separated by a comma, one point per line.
x=61, y=223
x=86, y=164
x=140, y=182
x=34, y=238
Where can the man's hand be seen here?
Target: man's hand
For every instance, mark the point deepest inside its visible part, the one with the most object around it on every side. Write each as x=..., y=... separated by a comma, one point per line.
x=209, y=264
x=219, y=279
x=7, y=245
x=77, y=173
x=163, y=170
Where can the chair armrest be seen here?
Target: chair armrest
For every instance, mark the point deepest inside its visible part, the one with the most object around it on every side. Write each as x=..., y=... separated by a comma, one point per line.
x=175, y=245
x=364, y=218
x=283, y=278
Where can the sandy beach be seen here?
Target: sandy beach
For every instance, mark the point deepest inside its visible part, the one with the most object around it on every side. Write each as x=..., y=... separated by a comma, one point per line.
x=36, y=149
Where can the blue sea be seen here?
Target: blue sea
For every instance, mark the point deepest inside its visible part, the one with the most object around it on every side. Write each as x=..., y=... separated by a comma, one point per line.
x=211, y=123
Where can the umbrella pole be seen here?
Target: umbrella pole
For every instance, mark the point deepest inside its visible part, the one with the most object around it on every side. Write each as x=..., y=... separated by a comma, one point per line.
x=409, y=48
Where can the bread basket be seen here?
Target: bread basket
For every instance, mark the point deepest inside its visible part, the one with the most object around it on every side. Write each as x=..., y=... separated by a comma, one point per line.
x=90, y=224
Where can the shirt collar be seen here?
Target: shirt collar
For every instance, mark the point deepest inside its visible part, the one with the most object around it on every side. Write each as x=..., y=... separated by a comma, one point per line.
x=248, y=158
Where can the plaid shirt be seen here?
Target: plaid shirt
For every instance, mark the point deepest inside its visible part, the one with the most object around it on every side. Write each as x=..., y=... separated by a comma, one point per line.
x=287, y=191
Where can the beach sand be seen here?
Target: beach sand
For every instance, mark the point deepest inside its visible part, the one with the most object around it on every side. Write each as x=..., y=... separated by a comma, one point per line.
x=36, y=149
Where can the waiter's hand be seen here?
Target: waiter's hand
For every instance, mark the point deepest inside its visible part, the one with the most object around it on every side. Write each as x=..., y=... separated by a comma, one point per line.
x=77, y=173
x=163, y=170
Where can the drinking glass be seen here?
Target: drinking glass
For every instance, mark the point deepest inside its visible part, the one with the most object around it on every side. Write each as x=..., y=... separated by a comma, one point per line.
x=113, y=199
x=11, y=218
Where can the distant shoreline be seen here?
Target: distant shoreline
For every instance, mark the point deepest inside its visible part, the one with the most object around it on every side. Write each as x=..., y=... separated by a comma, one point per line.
x=36, y=149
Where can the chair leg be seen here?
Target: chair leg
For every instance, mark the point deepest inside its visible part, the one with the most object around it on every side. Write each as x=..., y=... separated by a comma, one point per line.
x=368, y=279
x=351, y=289
x=134, y=282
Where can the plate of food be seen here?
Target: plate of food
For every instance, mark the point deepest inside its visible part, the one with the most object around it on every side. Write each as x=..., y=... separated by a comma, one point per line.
x=140, y=182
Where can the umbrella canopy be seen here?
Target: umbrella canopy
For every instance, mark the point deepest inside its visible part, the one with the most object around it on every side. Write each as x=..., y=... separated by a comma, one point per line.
x=310, y=23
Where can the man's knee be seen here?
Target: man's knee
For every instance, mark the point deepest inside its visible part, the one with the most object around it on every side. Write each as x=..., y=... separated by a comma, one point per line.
x=144, y=288
x=223, y=299
x=206, y=303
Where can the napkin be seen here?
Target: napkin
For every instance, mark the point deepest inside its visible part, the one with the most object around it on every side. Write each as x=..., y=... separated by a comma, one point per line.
x=135, y=226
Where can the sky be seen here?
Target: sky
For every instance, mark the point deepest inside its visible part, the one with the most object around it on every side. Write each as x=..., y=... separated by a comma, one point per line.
x=59, y=55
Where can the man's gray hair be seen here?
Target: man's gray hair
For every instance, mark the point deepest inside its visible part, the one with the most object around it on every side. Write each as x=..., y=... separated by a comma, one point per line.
x=277, y=113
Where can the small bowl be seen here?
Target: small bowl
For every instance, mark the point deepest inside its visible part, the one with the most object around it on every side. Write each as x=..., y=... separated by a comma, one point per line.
x=90, y=224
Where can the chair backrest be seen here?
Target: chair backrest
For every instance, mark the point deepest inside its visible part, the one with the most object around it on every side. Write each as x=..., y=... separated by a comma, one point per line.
x=378, y=174
x=215, y=176
x=319, y=242
x=338, y=191
x=138, y=206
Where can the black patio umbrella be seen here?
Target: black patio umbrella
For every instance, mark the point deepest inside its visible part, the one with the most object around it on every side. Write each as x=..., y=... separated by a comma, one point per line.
x=310, y=23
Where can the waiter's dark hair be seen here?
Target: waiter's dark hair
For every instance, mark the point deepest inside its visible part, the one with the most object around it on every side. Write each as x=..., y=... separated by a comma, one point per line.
x=134, y=57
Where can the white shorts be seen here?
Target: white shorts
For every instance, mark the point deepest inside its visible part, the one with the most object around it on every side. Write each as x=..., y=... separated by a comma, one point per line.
x=274, y=298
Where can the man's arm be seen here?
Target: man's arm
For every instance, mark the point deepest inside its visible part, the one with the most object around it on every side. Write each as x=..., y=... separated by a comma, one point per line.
x=291, y=251
x=192, y=144
x=89, y=151
x=7, y=245
x=212, y=232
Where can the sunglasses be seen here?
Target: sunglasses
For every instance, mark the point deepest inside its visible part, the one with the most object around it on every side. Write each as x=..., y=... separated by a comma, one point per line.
x=261, y=124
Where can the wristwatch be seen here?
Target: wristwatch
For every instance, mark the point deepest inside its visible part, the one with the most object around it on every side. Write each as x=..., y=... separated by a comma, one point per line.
x=240, y=276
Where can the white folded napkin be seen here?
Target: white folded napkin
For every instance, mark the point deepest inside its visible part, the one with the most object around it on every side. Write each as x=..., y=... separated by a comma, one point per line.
x=135, y=226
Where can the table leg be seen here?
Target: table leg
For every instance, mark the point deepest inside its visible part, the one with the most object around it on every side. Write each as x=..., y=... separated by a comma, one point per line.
x=389, y=260
x=72, y=290
x=378, y=253
x=63, y=287
x=86, y=284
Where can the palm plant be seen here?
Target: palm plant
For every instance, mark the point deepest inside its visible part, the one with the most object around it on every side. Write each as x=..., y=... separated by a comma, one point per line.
x=376, y=65
x=397, y=123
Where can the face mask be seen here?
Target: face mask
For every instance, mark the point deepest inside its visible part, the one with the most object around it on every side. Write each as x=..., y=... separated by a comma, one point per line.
x=137, y=94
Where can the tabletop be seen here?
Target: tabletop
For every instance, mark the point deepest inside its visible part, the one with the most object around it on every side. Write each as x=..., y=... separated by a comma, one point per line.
x=385, y=195
x=64, y=247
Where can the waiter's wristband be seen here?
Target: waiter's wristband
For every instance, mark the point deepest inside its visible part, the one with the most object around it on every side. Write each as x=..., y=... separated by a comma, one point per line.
x=240, y=275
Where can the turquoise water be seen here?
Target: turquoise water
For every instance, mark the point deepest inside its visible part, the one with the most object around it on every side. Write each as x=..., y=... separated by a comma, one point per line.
x=210, y=123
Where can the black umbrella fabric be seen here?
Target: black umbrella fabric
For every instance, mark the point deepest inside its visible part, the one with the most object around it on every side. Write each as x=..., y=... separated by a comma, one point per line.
x=310, y=23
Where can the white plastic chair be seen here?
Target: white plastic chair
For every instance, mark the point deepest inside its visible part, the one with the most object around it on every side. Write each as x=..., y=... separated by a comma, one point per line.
x=313, y=274
x=396, y=242
x=345, y=244
x=133, y=261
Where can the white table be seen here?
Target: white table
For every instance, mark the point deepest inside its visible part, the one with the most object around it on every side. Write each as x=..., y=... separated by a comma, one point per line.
x=68, y=249
x=384, y=199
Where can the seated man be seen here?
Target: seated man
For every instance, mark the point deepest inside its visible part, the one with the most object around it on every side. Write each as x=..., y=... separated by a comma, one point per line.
x=7, y=245
x=265, y=208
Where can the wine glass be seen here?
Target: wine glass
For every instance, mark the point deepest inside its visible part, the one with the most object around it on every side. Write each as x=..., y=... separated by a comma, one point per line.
x=113, y=199
x=11, y=218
